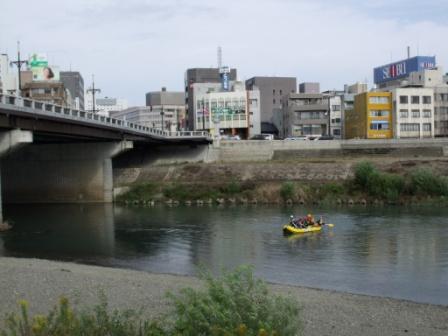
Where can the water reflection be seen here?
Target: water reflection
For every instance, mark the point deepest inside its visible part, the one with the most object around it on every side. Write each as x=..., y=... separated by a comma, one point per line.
x=394, y=252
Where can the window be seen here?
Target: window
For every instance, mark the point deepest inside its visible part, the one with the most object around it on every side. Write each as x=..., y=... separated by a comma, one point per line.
x=336, y=132
x=379, y=125
x=336, y=107
x=378, y=100
x=415, y=113
x=379, y=113
x=426, y=99
x=273, y=92
x=415, y=100
x=273, y=101
x=410, y=127
x=281, y=92
x=426, y=113
x=403, y=99
x=426, y=127
x=404, y=113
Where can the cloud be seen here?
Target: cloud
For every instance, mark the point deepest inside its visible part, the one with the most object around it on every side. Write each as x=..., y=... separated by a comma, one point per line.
x=137, y=46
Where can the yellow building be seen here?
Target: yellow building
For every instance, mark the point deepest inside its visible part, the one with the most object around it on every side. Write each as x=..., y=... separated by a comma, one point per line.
x=371, y=117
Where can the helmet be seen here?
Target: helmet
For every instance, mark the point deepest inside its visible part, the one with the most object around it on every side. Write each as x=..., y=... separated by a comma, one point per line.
x=291, y=216
x=309, y=215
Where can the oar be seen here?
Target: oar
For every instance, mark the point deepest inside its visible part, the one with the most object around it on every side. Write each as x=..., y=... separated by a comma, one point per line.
x=329, y=225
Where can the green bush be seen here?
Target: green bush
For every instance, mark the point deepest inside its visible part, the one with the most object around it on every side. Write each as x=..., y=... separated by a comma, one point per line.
x=235, y=304
x=363, y=171
x=140, y=191
x=232, y=188
x=332, y=189
x=287, y=190
x=424, y=181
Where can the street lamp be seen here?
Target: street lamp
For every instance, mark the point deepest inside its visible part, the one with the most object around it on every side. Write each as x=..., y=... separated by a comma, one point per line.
x=162, y=114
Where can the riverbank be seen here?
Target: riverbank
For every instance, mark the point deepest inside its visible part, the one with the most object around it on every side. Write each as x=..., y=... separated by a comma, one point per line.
x=41, y=282
x=409, y=182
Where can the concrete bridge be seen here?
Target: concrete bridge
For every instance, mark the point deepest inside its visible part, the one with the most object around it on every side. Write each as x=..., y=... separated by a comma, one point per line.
x=50, y=153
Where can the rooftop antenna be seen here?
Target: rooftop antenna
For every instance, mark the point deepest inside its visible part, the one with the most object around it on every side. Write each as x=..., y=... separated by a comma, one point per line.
x=219, y=57
x=93, y=90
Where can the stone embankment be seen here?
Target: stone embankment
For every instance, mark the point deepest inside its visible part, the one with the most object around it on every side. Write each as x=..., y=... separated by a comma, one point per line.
x=324, y=312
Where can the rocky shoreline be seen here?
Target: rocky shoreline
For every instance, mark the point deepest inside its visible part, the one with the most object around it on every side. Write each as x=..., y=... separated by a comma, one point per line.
x=42, y=282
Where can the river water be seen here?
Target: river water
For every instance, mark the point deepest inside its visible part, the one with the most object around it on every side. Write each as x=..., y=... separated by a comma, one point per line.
x=394, y=252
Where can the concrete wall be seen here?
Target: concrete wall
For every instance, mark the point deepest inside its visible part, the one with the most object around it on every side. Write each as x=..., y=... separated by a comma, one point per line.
x=46, y=173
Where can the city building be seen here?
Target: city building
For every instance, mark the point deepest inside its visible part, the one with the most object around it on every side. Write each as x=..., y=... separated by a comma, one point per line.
x=52, y=92
x=371, y=117
x=74, y=83
x=413, y=115
x=271, y=91
x=170, y=108
x=8, y=78
x=305, y=114
x=147, y=116
x=309, y=87
x=226, y=113
x=103, y=106
x=335, y=116
x=393, y=74
x=223, y=75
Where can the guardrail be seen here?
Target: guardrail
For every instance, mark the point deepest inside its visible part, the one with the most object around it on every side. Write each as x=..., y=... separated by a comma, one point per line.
x=43, y=108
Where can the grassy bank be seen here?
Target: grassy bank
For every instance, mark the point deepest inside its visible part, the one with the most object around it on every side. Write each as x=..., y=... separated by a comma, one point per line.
x=368, y=185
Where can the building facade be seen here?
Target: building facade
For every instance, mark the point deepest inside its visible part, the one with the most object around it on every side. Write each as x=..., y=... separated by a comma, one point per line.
x=198, y=76
x=171, y=106
x=52, y=92
x=335, y=116
x=8, y=79
x=413, y=112
x=226, y=113
x=305, y=114
x=271, y=89
x=74, y=83
x=371, y=117
x=309, y=87
x=103, y=106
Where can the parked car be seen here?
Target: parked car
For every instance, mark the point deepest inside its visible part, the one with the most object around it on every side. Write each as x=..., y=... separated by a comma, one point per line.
x=302, y=137
x=257, y=137
x=325, y=137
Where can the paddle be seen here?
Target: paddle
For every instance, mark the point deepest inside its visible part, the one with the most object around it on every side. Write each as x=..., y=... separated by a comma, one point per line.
x=329, y=225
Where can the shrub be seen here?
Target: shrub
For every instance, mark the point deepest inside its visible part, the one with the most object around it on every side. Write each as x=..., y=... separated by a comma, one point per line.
x=234, y=304
x=363, y=172
x=140, y=191
x=424, y=181
x=332, y=188
x=287, y=190
x=232, y=188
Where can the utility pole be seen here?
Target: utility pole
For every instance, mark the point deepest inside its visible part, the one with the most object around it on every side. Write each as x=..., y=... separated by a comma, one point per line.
x=93, y=90
x=162, y=113
x=203, y=114
x=19, y=63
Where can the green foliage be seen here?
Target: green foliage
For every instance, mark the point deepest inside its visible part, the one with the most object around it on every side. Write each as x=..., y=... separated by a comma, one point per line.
x=287, y=190
x=143, y=191
x=332, y=188
x=424, y=181
x=65, y=321
x=232, y=188
x=363, y=171
x=378, y=184
x=235, y=304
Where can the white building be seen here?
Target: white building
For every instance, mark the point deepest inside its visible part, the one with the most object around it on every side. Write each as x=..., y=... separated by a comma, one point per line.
x=336, y=117
x=413, y=115
x=104, y=106
x=235, y=112
x=169, y=120
x=8, y=78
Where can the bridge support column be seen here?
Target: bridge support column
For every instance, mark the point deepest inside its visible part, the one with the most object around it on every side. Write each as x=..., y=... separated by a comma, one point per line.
x=56, y=173
x=10, y=141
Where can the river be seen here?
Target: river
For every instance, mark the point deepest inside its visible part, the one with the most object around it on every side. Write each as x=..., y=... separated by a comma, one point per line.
x=394, y=251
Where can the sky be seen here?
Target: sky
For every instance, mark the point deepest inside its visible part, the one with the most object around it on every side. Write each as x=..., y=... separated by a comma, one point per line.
x=136, y=46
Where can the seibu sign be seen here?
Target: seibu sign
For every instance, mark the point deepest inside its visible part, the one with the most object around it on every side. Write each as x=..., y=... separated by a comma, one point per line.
x=402, y=68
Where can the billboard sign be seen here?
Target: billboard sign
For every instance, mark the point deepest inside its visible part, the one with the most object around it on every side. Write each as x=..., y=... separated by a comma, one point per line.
x=224, y=73
x=402, y=69
x=38, y=65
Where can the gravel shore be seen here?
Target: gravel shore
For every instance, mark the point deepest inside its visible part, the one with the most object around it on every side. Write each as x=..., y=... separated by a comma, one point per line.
x=41, y=282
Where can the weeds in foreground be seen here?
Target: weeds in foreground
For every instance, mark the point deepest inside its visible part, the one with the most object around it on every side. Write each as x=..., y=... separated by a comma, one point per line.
x=233, y=304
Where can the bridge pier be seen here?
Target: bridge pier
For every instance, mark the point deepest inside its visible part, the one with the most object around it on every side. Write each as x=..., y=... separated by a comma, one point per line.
x=61, y=173
x=9, y=142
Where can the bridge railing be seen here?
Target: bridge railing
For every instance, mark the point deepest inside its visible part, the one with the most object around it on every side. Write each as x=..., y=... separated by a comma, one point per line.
x=39, y=107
